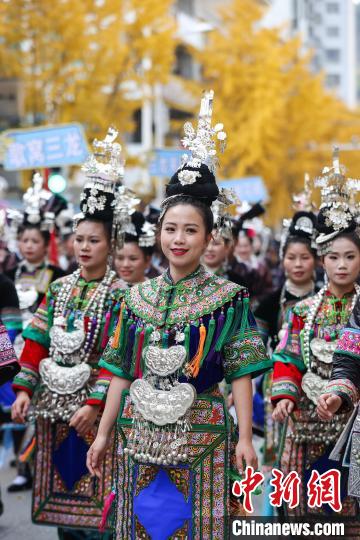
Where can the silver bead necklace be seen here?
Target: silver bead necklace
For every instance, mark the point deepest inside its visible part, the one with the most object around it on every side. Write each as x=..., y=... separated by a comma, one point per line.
x=98, y=299
x=310, y=319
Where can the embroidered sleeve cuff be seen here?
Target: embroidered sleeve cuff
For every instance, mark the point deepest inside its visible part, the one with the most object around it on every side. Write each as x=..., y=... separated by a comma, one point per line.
x=246, y=355
x=345, y=389
x=100, y=389
x=27, y=379
x=116, y=370
x=254, y=371
x=285, y=388
x=98, y=402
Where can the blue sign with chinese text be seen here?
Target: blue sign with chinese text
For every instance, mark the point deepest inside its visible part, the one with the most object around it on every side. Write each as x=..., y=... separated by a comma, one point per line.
x=47, y=146
x=165, y=162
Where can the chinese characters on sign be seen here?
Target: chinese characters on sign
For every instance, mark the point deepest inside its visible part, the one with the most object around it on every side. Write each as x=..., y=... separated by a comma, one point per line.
x=321, y=489
x=49, y=146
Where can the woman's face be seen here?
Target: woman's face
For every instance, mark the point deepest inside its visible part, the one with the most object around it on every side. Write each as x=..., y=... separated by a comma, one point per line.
x=342, y=263
x=299, y=263
x=183, y=237
x=244, y=248
x=32, y=246
x=131, y=263
x=91, y=246
x=216, y=252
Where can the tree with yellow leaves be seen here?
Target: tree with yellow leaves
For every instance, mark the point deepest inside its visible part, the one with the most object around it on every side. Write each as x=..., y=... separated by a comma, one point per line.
x=275, y=111
x=86, y=60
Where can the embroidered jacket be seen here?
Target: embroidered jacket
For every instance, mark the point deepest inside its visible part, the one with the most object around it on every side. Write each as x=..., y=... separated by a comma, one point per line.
x=38, y=278
x=273, y=312
x=8, y=362
x=37, y=338
x=9, y=307
x=219, y=332
x=288, y=359
x=345, y=377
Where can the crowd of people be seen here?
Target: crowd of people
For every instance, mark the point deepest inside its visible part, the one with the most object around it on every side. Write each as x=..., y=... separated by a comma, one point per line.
x=160, y=322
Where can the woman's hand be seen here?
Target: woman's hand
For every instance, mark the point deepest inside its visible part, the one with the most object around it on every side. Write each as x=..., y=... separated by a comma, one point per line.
x=84, y=419
x=245, y=453
x=96, y=454
x=327, y=406
x=20, y=407
x=283, y=408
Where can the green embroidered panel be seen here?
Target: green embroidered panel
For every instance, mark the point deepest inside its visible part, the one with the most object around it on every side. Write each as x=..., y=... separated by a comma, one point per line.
x=245, y=355
x=197, y=295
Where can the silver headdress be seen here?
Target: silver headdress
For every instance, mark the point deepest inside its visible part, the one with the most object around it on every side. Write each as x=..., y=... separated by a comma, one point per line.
x=202, y=142
x=302, y=202
x=195, y=177
x=104, y=170
x=147, y=237
x=36, y=212
x=338, y=210
x=220, y=209
x=104, y=197
x=133, y=222
x=35, y=198
x=106, y=163
x=303, y=223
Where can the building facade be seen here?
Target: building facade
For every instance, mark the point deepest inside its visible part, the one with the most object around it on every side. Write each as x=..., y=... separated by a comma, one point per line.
x=328, y=28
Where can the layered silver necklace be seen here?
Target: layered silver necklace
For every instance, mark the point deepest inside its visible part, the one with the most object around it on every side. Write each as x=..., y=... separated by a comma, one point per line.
x=161, y=406
x=65, y=374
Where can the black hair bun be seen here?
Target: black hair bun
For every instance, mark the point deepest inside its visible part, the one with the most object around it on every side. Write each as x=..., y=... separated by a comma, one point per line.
x=153, y=215
x=303, y=224
x=323, y=228
x=204, y=188
x=138, y=220
x=99, y=206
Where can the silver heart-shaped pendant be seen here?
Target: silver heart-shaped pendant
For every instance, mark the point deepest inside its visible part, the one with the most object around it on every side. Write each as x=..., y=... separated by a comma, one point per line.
x=162, y=407
x=164, y=362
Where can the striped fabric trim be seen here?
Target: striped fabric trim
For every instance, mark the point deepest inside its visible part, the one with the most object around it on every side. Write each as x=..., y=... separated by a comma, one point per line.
x=100, y=388
x=285, y=387
x=344, y=388
x=26, y=379
x=11, y=318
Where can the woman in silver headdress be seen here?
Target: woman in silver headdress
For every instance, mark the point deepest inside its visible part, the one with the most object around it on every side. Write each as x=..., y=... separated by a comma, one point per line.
x=60, y=384
x=303, y=359
x=178, y=335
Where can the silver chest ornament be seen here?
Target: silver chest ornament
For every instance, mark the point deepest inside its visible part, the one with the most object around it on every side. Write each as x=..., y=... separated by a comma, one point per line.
x=63, y=375
x=308, y=427
x=161, y=408
x=314, y=384
x=66, y=346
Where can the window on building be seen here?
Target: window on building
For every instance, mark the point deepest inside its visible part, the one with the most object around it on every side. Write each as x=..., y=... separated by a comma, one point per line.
x=333, y=31
x=332, y=7
x=332, y=55
x=185, y=6
x=295, y=20
x=183, y=63
x=333, y=80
